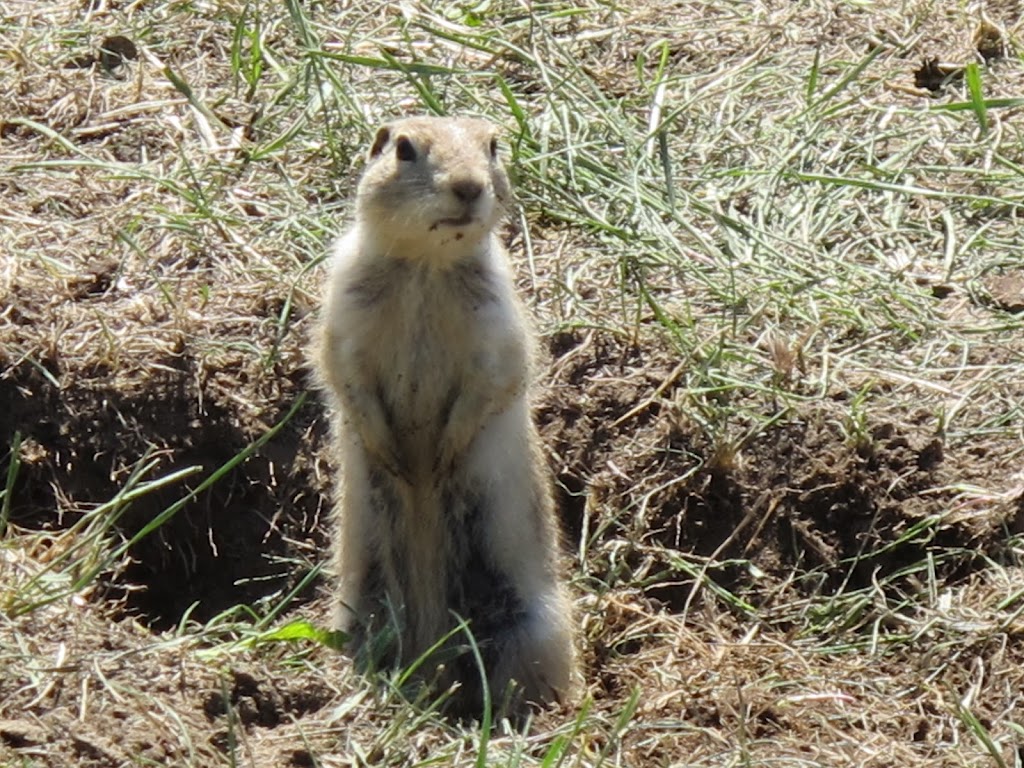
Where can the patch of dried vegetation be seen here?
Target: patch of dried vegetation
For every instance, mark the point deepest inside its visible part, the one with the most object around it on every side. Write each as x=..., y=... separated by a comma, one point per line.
x=783, y=398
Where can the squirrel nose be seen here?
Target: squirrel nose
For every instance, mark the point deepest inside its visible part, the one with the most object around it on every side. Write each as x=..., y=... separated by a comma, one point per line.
x=467, y=190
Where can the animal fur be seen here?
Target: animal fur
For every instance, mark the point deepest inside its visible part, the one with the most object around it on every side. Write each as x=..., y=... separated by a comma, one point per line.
x=445, y=510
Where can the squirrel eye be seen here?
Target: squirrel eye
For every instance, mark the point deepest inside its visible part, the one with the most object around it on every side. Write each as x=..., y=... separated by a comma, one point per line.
x=494, y=147
x=404, y=150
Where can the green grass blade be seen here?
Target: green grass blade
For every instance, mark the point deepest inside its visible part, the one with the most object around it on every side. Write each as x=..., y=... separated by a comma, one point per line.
x=972, y=76
x=13, y=463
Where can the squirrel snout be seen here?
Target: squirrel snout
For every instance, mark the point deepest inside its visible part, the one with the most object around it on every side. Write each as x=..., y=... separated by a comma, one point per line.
x=467, y=190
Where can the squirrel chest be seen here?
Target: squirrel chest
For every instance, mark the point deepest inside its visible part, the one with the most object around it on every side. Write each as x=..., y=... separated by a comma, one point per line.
x=423, y=356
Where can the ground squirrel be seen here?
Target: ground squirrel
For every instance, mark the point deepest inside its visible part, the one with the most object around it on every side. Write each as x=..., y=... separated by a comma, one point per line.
x=445, y=511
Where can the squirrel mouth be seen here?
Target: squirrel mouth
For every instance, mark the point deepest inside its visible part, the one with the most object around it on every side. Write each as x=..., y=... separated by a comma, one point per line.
x=461, y=221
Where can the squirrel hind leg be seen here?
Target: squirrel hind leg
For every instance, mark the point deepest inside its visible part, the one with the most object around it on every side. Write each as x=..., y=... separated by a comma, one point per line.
x=538, y=656
x=531, y=663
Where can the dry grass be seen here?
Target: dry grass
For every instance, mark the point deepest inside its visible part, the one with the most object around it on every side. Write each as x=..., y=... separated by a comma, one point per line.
x=781, y=288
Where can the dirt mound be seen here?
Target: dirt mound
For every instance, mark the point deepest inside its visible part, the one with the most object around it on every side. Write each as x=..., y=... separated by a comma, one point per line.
x=92, y=427
x=835, y=504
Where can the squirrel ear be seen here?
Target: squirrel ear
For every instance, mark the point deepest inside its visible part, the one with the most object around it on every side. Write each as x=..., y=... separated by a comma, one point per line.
x=383, y=134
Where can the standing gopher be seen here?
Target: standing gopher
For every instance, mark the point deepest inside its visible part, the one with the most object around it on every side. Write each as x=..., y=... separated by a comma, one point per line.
x=445, y=511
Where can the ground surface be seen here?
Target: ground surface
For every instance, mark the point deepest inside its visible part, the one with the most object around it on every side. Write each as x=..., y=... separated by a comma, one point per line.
x=773, y=251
